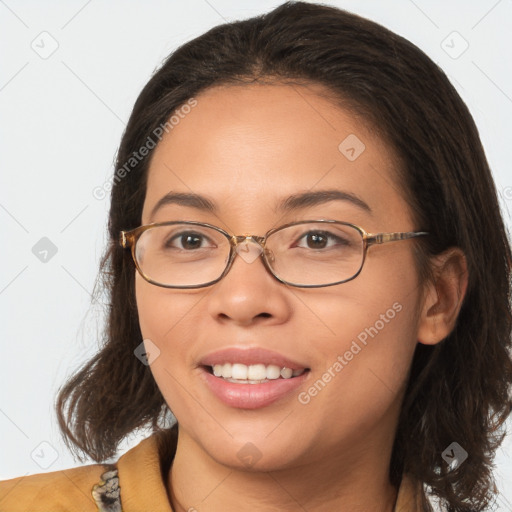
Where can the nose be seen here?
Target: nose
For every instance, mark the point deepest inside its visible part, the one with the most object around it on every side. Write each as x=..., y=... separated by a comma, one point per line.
x=248, y=293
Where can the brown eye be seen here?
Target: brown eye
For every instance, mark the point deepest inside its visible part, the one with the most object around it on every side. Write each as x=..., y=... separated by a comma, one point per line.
x=321, y=240
x=186, y=241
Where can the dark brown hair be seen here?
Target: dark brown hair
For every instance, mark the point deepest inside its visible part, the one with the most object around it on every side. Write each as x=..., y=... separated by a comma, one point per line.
x=458, y=389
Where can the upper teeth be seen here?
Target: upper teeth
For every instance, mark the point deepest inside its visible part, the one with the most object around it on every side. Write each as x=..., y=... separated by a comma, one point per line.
x=254, y=372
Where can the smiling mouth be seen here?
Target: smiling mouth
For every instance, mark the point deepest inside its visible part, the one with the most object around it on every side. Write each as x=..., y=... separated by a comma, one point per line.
x=238, y=373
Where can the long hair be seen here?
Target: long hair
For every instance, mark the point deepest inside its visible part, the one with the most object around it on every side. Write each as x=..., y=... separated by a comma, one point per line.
x=458, y=389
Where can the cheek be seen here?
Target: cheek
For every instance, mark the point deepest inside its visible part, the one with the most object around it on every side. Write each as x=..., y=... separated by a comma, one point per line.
x=153, y=314
x=377, y=310
x=159, y=320
x=378, y=338
x=368, y=354
x=162, y=310
x=165, y=318
x=359, y=384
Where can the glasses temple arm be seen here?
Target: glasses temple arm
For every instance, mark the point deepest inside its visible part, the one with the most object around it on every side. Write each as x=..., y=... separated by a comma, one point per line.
x=382, y=238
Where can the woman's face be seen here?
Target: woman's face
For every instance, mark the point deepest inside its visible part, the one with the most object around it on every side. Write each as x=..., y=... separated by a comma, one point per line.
x=246, y=149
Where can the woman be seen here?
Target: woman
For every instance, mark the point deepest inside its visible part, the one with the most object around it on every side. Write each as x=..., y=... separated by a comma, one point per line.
x=308, y=267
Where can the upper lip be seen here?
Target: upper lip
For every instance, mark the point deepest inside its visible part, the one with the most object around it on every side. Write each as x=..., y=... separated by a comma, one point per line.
x=249, y=356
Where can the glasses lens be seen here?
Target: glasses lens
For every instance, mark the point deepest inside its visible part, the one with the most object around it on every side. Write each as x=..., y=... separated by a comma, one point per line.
x=182, y=254
x=315, y=253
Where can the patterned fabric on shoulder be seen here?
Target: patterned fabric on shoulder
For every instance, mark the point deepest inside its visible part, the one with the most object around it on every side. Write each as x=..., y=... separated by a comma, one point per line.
x=107, y=494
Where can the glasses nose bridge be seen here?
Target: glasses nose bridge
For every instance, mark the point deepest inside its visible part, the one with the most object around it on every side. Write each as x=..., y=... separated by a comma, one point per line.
x=248, y=247
x=236, y=240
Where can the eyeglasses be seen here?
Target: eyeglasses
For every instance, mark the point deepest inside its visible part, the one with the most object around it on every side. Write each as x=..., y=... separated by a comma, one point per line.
x=306, y=254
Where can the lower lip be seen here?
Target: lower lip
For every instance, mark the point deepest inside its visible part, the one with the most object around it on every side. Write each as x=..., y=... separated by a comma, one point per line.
x=251, y=396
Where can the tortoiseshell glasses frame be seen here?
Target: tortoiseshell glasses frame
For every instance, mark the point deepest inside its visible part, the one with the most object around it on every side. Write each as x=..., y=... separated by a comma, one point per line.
x=129, y=239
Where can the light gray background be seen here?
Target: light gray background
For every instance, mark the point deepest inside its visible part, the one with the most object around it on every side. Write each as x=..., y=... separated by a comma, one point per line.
x=62, y=117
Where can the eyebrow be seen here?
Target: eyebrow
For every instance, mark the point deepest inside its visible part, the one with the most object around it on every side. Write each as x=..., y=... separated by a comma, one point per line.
x=291, y=203
x=306, y=199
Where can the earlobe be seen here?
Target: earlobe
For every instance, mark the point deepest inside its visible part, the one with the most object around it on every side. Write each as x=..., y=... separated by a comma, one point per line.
x=443, y=296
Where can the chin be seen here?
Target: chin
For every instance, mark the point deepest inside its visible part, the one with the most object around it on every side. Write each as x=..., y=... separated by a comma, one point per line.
x=254, y=452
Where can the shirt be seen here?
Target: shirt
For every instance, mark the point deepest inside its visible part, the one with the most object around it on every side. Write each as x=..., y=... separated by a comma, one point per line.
x=135, y=484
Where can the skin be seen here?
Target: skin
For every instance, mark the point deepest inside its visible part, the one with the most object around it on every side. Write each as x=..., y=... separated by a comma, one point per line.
x=246, y=148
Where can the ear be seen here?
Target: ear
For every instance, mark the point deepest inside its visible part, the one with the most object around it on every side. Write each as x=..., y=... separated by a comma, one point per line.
x=443, y=296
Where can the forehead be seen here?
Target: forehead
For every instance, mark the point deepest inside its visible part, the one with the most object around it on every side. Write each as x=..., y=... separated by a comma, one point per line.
x=247, y=147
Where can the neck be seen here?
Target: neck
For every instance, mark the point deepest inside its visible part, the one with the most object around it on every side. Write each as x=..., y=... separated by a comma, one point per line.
x=350, y=482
